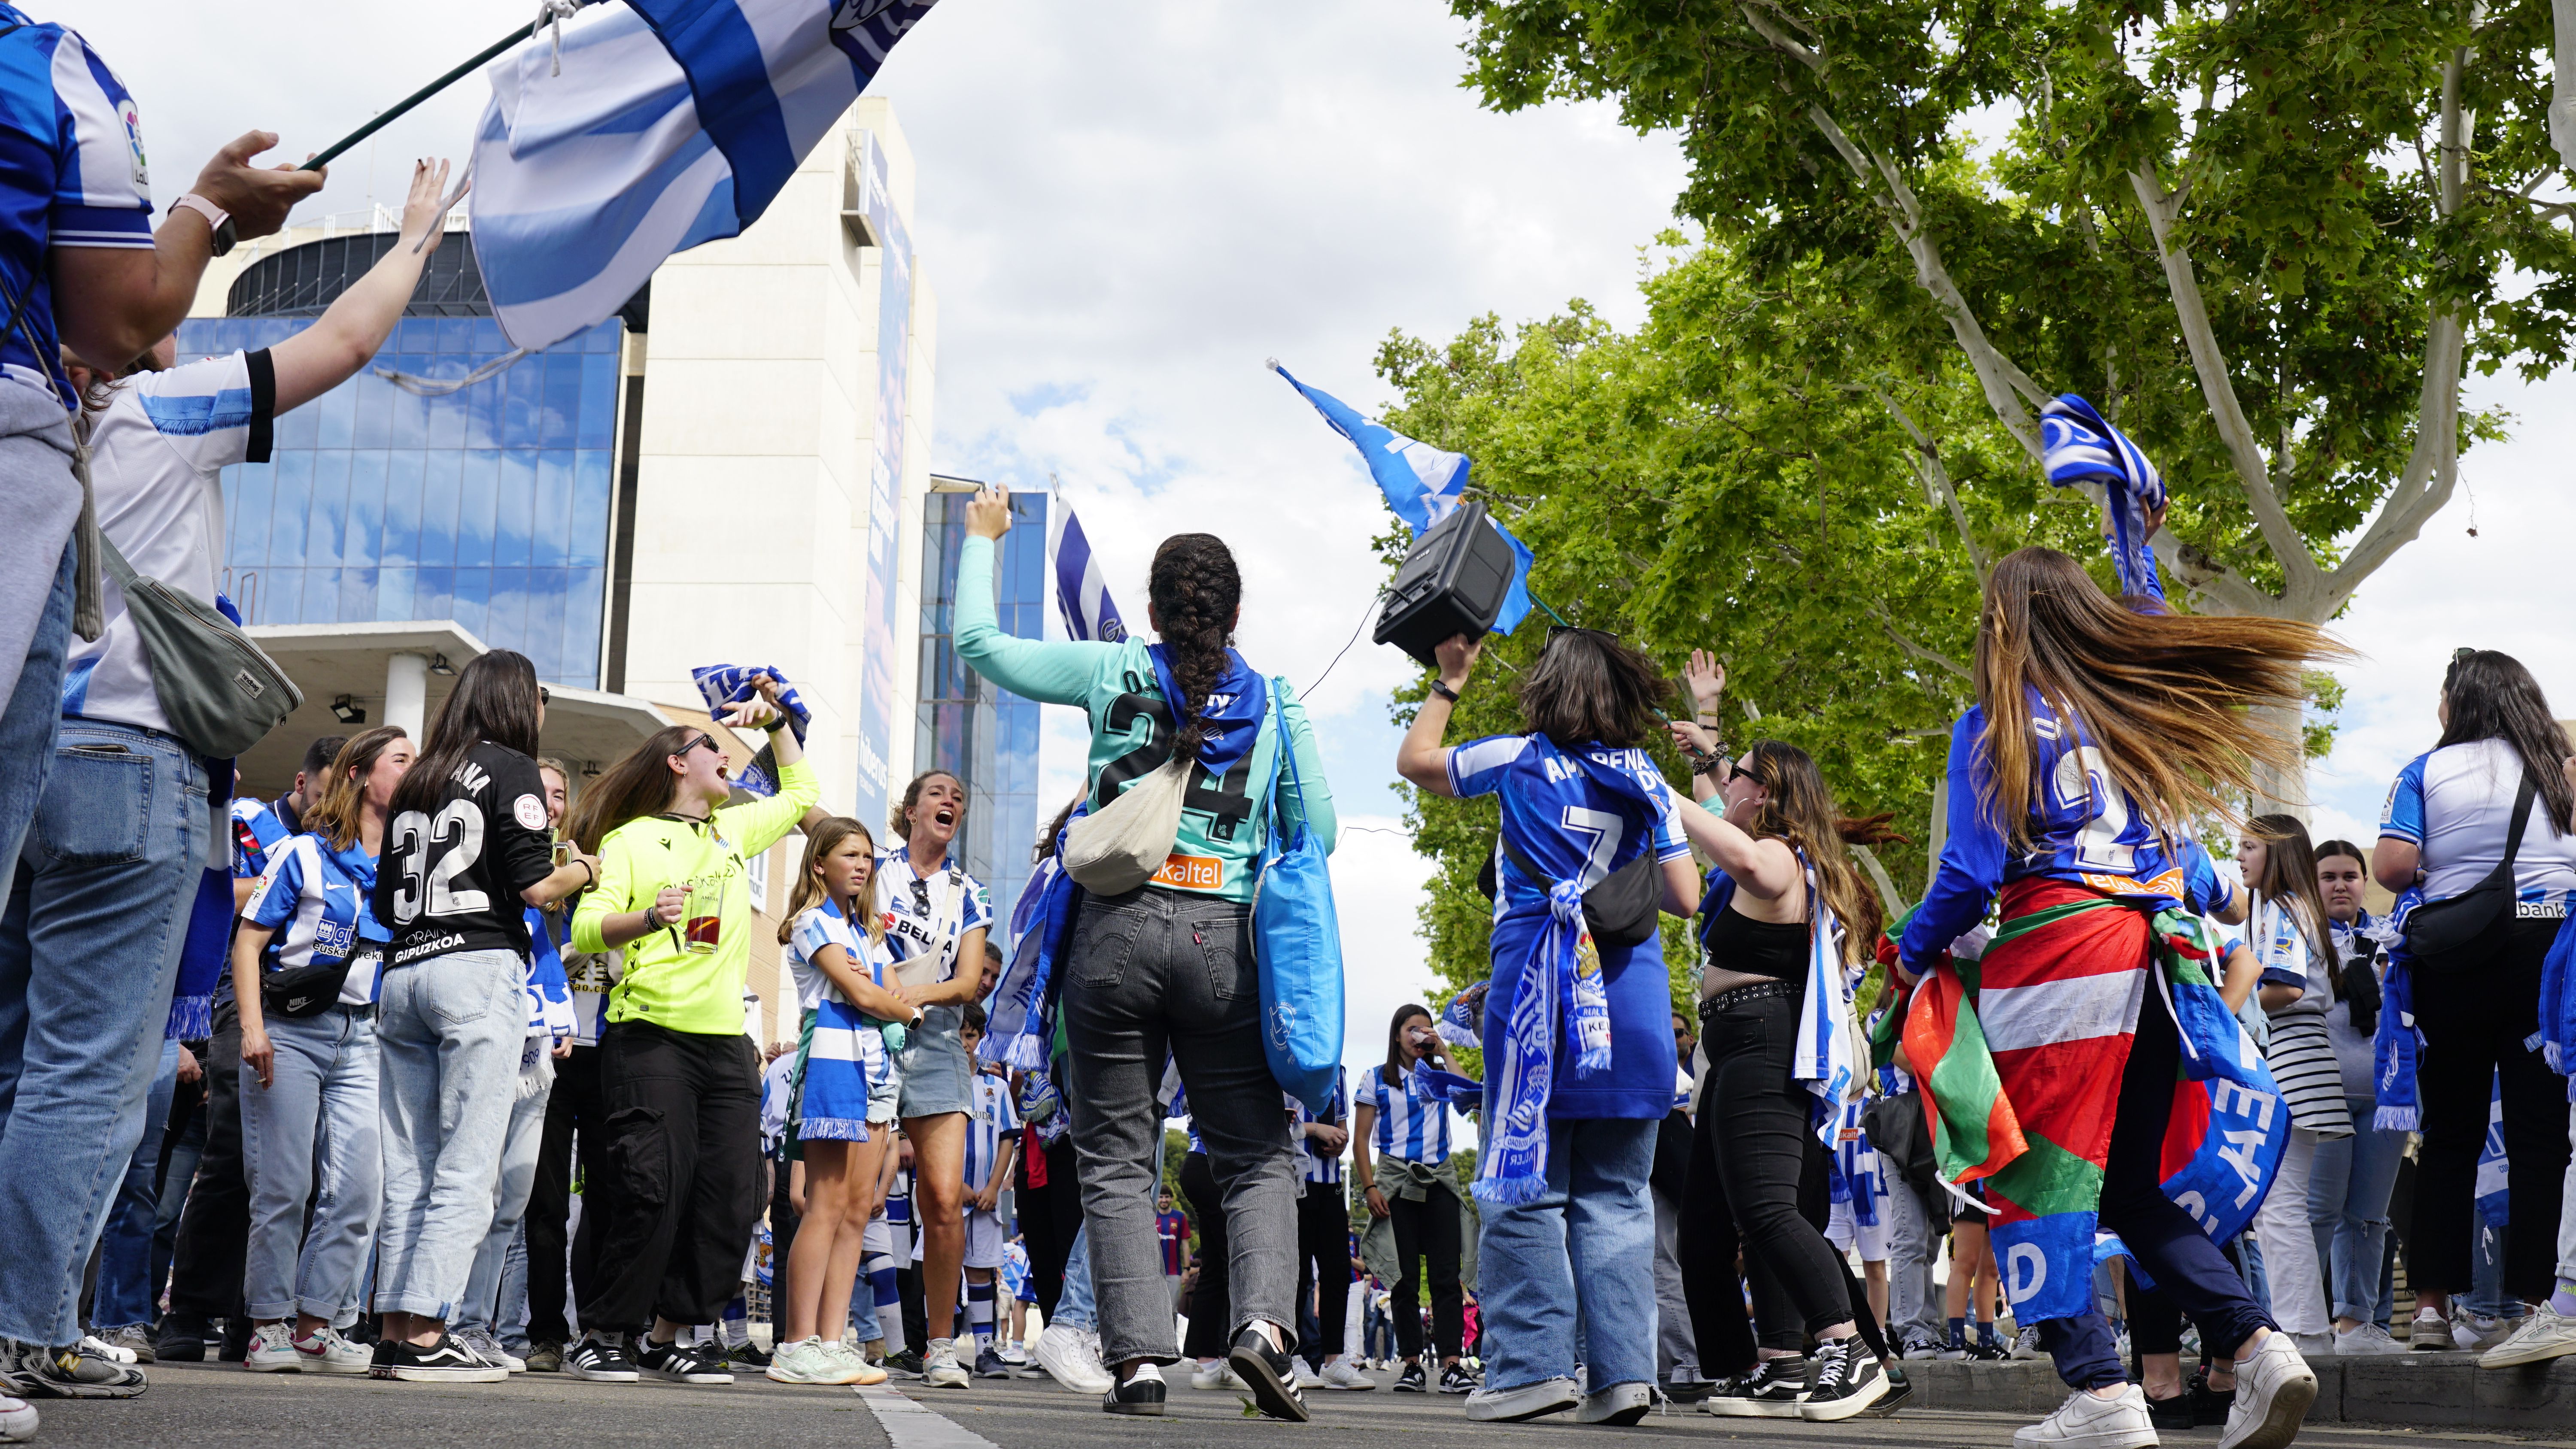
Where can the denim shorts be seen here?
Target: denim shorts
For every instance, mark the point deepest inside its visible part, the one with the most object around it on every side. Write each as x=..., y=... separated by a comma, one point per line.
x=936, y=1076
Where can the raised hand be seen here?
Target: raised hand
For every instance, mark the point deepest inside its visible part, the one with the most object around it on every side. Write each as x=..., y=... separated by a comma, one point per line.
x=988, y=514
x=257, y=198
x=1705, y=677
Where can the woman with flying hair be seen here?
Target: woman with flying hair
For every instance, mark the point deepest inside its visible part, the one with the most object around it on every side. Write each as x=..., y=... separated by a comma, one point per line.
x=2099, y=735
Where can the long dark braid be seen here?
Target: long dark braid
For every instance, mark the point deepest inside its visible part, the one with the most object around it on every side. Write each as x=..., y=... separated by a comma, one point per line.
x=1195, y=590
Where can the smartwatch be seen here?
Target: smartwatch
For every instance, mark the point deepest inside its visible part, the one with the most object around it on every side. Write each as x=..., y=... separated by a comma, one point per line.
x=1444, y=691
x=218, y=220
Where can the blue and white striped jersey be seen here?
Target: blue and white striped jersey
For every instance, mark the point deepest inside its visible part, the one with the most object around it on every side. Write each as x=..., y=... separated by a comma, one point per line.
x=2455, y=804
x=71, y=175
x=1313, y=1163
x=258, y=828
x=986, y=1127
x=1412, y=1121
x=157, y=453
x=898, y=1201
x=925, y=914
x=315, y=899
x=821, y=926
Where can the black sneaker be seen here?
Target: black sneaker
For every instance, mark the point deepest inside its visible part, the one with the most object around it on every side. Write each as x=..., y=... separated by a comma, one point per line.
x=2173, y=1413
x=1412, y=1381
x=601, y=1361
x=34, y=1371
x=681, y=1363
x=236, y=1338
x=2208, y=1405
x=180, y=1341
x=444, y=1362
x=1770, y=1391
x=1848, y=1380
x=904, y=1365
x=1899, y=1389
x=1455, y=1379
x=1269, y=1373
x=1140, y=1394
x=1994, y=1352
x=746, y=1355
x=989, y=1365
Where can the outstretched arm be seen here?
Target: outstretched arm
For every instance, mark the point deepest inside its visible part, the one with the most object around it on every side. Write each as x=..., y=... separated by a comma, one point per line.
x=1422, y=759
x=326, y=354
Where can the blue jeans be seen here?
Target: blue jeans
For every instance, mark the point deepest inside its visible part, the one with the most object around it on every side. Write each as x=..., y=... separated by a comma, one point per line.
x=27, y=724
x=484, y=1303
x=89, y=952
x=320, y=1112
x=1587, y=1244
x=128, y=1293
x=448, y=1032
x=177, y=1176
x=1075, y=1309
x=2348, y=1191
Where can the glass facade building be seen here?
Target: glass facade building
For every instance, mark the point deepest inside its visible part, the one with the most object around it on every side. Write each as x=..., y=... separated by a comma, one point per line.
x=982, y=734
x=490, y=506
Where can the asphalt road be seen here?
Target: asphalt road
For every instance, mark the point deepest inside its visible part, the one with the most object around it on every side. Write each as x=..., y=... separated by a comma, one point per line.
x=191, y=1405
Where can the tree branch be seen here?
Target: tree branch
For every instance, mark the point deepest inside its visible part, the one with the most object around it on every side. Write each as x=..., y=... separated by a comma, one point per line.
x=1895, y=902
x=2562, y=97
x=2253, y=474
x=1936, y=481
x=1887, y=621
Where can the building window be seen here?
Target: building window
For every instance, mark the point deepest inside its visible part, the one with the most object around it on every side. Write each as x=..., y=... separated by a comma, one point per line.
x=985, y=736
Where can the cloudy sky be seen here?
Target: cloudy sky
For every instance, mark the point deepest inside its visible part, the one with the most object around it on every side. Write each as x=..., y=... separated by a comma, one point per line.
x=1127, y=207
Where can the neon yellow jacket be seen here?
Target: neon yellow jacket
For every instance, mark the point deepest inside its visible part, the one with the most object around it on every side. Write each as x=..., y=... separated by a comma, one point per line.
x=665, y=984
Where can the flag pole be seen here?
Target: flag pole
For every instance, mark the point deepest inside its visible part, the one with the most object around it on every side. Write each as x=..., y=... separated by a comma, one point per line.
x=406, y=104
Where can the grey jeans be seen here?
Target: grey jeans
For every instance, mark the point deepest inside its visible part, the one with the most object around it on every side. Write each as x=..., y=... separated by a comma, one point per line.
x=1913, y=1301
x=319, y=1114
x=486, y=1301
x=1675, y=1347
x=448, y=1032
x=1157, y=972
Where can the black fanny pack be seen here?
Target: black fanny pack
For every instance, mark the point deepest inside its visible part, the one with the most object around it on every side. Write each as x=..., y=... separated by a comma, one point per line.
x=2438, y=928
x=1620, y=911
x=301, y=991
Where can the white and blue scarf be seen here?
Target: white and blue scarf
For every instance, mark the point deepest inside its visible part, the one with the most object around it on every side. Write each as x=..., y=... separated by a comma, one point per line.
x=1830, y=1042
x=1233, y=712
x=2077, y=446
x=2393, y=1046
x=1461, y=1023
x=724, y=686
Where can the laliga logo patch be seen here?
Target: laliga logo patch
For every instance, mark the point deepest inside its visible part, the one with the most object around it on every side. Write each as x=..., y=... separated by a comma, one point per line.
x=529, y=811
x=134, y=142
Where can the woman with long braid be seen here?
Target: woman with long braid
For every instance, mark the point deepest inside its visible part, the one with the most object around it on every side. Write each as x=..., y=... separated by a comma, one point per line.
x=1167, y=968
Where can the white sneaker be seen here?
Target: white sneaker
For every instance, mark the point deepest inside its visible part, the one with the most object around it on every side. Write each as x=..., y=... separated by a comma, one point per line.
x=2476, y=1332
x=2088, y=1421
x=807, y=1361
x=91, y=1343
x=1070, y=1359
x=324, y=1351
x=272, y=1350
x=2026, y=1345
x=479, y=1342
x=1339, y=1374
x=17, y=1420
x=2365, y=1339
x=940, y=1369
x=2543, y=1335
x=1529, y=1401
x=2273, y=1390
x=2310, y=1345
x=1306, y=1376
x=1215, y=1374
x=2430, y=1333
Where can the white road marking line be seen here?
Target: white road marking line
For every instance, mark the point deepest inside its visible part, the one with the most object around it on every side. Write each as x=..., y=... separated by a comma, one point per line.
x=910, y=1426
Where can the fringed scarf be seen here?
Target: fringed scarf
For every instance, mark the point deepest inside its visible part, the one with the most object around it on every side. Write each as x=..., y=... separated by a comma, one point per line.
x=2393, y=1046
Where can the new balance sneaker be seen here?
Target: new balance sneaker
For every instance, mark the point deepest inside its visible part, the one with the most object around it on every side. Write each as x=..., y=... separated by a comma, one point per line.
x=2025, y=1344
x=443, y=1362
x=1918, y=1346
x=2544, y=1335
x=324, y=1351
x=1069, y=1359
x=1412, y=1380
x=1618, y=1406
x=1899, y=1389
x=1848, y=1380
x=989, y=1365
x=2368, y=1339
x=33, y=1371
x=478, y=1341
x=1269, y=1373
x=807, y=1361
x=600, y=1360
x=2088, y=1421
x=1140, y=1394
x=1339, y=1373
x=272, y=1350
x=682, y=1363
x=1457, y=1378
x=1529, y=1401
x=1770, y=1391
x=2274, y=1387
x=2430, y=1332
x=545, y=1358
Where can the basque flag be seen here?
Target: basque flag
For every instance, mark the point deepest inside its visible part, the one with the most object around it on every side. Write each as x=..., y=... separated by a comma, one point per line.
x=666, y=123
x=1081, y=595
x=1421, y=483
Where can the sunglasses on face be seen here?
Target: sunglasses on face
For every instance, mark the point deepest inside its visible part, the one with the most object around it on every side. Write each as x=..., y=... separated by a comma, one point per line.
x=706, y=740
x=1735, y=772
x=545, y=695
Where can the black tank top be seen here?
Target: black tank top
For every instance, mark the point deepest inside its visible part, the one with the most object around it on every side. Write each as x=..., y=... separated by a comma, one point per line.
x=1737, y=942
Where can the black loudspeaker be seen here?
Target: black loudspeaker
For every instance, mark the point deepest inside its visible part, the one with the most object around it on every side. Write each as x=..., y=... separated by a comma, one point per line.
x=1452, y=582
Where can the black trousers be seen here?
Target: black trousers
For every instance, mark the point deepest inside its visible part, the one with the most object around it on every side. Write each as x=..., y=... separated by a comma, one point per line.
x=575, y=1121
x=916, y=1314
x=1759, y=1129
x=1212, y=1302
x=683, y=1157
x=2476, y=1007
x=206, y=1263
x=783, y=1222
x=1430, y=1230
x=1324, y=1265
x=1049, y=1216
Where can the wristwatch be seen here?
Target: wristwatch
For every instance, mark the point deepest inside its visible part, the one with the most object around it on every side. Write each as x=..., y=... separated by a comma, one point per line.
x=218, y=220
x=1444, y=691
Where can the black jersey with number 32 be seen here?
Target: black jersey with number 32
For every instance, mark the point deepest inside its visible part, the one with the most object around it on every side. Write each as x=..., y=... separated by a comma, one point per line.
x=449, y=878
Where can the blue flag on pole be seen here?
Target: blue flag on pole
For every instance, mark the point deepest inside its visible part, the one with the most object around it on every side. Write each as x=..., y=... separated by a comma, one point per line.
x=1421, y=483
x=662, y=125
x=1081, y=595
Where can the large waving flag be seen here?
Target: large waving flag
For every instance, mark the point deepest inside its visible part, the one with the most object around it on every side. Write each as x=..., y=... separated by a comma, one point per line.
x=1421, y=483
x=1081, y=594
x=663, y=124
x=2077, y=446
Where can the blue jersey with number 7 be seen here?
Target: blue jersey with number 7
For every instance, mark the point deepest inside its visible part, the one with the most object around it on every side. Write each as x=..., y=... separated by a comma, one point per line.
x=2083, y=828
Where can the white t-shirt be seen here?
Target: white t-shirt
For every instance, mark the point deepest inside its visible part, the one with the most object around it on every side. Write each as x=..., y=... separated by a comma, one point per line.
x=156, y=454
x=2454, y=804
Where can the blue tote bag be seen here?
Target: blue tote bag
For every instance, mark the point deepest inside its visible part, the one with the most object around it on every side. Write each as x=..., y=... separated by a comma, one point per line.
x=1297, y=942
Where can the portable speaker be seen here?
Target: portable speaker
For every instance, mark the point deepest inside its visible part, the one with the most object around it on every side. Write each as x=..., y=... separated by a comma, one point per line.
x=1452, y=582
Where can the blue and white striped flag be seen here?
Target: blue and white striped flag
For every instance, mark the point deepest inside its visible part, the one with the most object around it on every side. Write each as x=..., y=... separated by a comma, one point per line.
x=2077, y=446
x=666, y=123
x=1422, y=484
x=1081, y=595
